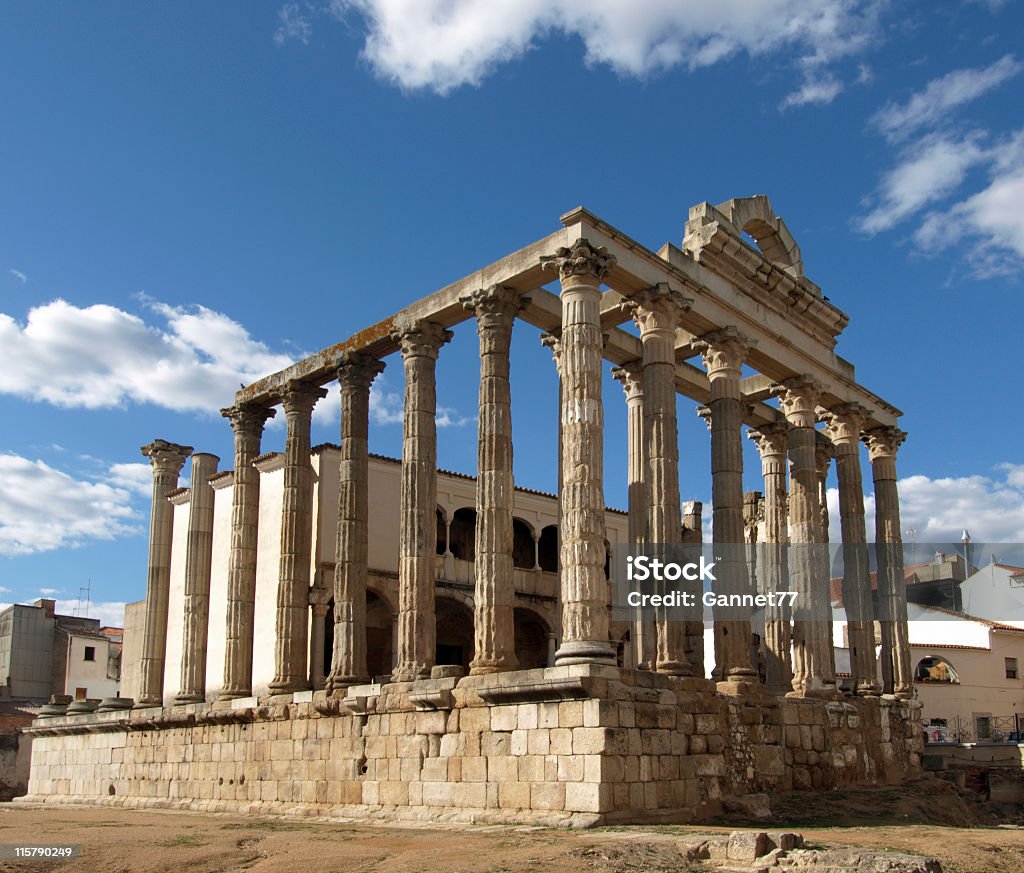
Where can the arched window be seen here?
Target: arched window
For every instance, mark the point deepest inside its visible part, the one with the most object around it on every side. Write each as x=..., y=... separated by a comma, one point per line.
x=442, y=531
x=936, y=669
x=462, y=534
x=548, y=548
x=523, y=550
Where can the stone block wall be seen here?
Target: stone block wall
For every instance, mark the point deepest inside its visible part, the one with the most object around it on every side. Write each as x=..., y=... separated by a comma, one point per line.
x=567, y=745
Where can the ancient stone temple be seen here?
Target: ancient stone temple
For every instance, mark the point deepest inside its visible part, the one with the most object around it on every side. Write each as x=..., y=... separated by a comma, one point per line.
x=332, y=632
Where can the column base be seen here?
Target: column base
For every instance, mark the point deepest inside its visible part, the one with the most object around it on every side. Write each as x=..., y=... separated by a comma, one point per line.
x=340, y=683
x=148, y=702
x=183, y=699
x=674, y=668
x=869, y=689
x=410, y=672
x=234, y=693
x=585, y=652
x=288, y=686
x=483, y=666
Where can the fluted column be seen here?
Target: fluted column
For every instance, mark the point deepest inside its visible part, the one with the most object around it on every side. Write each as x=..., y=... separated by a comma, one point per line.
x=319, y=605
x=812, y=611
x=356, y=372
x=723, y=352
x=844, y=424
x=824, y=452
x=772, y=441
x=630, y=376
x=166, y=459
x=247, y=422
x=417, y=631
x=656, y=312
x=883, y=443
x=198, y=566
x=291, y=649
x=584, y=588
x=494, y=593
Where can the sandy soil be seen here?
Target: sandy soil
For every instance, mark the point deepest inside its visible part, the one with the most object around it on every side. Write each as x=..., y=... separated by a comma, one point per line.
x=118, y=841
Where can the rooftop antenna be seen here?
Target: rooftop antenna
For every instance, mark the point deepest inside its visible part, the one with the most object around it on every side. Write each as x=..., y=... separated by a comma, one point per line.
x=85, y=592
x=966, y=540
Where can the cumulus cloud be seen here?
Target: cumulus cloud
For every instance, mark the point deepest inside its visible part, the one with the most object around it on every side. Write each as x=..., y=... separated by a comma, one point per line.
x=136, y=478
x=931, y=170
x=441, y=45
x=42, y=508
x=109, y=613
x=819, y=91
x=99, y=356
x=932, y=105
x=939, y=509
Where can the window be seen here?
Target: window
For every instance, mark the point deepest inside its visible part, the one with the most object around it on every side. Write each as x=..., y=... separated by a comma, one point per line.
x=1011, y=668
x=983, y=727
x=90, y=653
x=79, y=694
x=935, y=669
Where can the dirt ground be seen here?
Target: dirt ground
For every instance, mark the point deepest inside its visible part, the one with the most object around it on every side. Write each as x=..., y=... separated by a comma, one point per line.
x=966, y=837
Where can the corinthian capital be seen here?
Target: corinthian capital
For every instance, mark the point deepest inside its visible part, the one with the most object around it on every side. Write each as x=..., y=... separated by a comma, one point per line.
x=657, y=308
x=771, y=440
x=300, y=397
x=358, y=370
x=248, y=419
x=883, y=442
x=580, y=261
x=843, y=424
x=553, y=340
x=704, y=411
x=724, y=351
x=166, y=457
x=495, y=306
x=798, y=398
x=630, y=377
x=421, y=338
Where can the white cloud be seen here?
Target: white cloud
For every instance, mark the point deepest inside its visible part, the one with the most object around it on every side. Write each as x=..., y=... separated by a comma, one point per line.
x=441, y=45
x=20, y=276
x=49, y=592
x=136, y=478
x=938, y=510
x=294, y=22
x=101, y=356
x=818, y=91
x=110, y=613
x=932, y=105
x=42, y=508
x=929, y=171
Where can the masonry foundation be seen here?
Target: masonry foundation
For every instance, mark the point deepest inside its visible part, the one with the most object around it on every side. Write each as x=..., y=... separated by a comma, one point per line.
x=581, y=745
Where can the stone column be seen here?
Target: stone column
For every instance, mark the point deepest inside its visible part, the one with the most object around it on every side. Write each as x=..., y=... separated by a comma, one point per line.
x=318, y=604
x=630, y=376
x=693, y=539
x=823, y=454
x=656, y=312
x=723, y=352
x=417, y=631
x=897, y=678
x=812, y=612
x=198, y=565
x=772, y=441
x=584, y=587
x=247, y=422
x=494, y=593
x=356, y=372
x=291, y=649
x=844, y=425
x=166, y=459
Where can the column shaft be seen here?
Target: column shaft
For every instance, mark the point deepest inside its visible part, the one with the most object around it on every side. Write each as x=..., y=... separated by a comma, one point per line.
x=656, y=312
x=844, y=429
x=198, y=565
x=723, y=353
x=631, y=377
x=417, y=631
x=812, y=613
x=583, y=584
x=356, y=372
x=772, y=442
x=166, y=459
x=494, y=594
x=292, y=644
x=897, y=677
x=247, y=423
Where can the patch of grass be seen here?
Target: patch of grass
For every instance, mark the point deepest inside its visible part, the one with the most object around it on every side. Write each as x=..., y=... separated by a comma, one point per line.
x=190, y=840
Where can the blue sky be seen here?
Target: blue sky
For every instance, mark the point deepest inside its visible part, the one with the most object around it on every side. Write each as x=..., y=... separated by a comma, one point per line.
x=195, y=194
